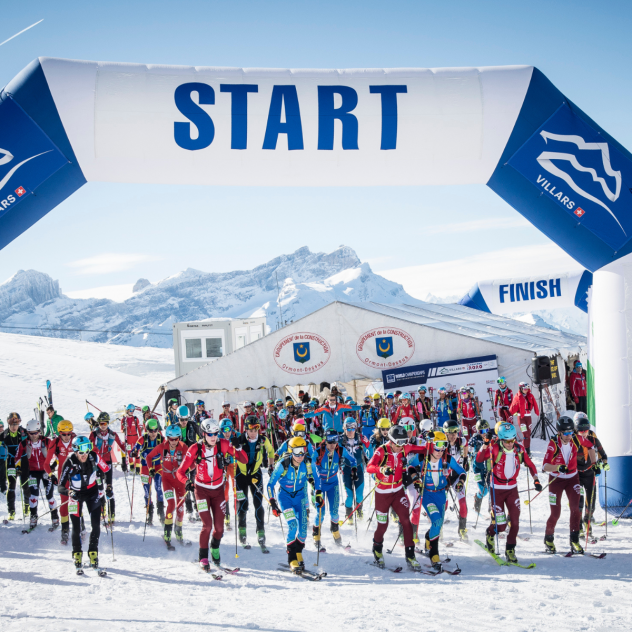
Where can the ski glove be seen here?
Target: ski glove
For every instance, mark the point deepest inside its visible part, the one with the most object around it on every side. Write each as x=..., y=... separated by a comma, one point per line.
x=597, y=469
x=606, y=466
x=124, y=465
x=235, y=442
x=562, y=469
x=152, y=472
x=387, y=471
x=276, y=511
x=537, y=485
x=190, y=486
x=53, y=479
x=73, y=494
x=319, y=498
x=109, y=492
x=354, y=473
x=459, y=486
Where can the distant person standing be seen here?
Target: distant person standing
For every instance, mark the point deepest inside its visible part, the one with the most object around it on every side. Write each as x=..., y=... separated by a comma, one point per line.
x=577, y=387
x=53, y=419
x=521, y=406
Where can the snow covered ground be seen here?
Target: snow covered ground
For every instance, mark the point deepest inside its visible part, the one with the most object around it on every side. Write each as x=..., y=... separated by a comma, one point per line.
x=148, y=588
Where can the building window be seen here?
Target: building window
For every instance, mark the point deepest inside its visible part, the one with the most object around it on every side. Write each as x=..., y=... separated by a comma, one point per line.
x=214, y=348
x=193, y=348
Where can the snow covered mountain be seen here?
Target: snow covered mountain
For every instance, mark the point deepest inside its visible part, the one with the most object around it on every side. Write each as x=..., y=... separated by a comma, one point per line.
x=32, y=303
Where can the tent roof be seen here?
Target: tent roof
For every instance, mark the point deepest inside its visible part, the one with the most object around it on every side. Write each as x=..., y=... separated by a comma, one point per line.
x=341, y=323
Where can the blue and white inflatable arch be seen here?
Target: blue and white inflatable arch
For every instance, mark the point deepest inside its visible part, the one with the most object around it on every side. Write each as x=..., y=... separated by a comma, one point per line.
x=64, y=123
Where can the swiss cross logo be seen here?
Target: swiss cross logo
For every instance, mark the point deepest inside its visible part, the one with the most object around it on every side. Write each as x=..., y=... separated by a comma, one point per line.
x=579, y=211
x=20, y=191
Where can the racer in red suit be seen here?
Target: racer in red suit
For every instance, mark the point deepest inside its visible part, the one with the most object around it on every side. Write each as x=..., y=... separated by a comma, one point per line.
x=502, y=399
x=522, y=404
x=577, y=387
x=132, y=429
x=469, y=411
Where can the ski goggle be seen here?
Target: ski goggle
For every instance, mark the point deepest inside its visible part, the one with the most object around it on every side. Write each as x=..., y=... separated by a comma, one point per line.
x=83, y=448
x=212, y=434
x=299, y=433
x=568, y=433
x=331, y=440
x=440, y=445
x=484, y=430
x=409, y=427
x=400, y=442
x=253, y=426
x=298, y=451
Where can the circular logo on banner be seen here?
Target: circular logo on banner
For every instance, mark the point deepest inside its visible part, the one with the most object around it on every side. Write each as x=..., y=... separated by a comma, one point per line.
x=302, y=353
x=385, y=348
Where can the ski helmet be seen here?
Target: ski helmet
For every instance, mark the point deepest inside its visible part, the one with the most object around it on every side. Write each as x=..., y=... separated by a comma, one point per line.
x=103, y=418
x=251, y=422
x=259, y=404
x=183, y=412
x=331, y=436
x=247, y=404
x=283, y=414
x=422, y=389
x=32, y=425
x=130, y=408
x=199, y=402
x=426, y=425
x=297, y=443
x=173, y=432
x=507, y=431
x=481, y=425
x=451, y=426
x=289, y=404
x=408, y=423
x=565, y=424
x=313, y=403
x=225, y=403
x=173, y=402
x=152, y=425
x=397, y=435
x=581, y=422
x=463, y=389
x=348, y=400
x=523, y=385
x=88, y=417
x=298, y=428
x=209, y=426
x=376, y=396
x=81, y=444
x=501, y=380
x=225, y=425
x=269, y=401
x=349, y=424
x=405, y=396
x=64, y=426
x=384, y=423
x=144, y=409
x=279, y=402
x=390, y=396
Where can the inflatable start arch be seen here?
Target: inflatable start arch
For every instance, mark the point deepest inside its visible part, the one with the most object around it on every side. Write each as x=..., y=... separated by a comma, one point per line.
x=64, y=123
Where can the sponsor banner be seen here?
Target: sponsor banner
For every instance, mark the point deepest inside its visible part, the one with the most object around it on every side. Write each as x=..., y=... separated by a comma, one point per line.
x=302, y=353
x=385, y=348
x=27, y=156
x=573, y=165
x=480, y=373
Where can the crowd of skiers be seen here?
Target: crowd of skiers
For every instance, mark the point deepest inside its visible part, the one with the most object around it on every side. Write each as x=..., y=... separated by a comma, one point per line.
x=413, y=453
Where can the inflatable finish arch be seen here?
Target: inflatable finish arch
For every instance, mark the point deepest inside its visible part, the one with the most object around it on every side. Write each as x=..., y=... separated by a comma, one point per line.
x=64, y=123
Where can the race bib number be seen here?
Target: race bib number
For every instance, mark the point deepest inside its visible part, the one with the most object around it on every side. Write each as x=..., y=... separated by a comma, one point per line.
x=382, y=517
x=128, y=446
x=477, y=478
x=464, y=430
x=73, y=508
x=144, y=479
x=240, y=495
x=581, y=491
x=169, y=494
x=523, y=427
x=32, y=482
x=11, y=472
x=202, y=505
x=501, y=518
x=432, y=508
x=289, y=514
x=552, y=499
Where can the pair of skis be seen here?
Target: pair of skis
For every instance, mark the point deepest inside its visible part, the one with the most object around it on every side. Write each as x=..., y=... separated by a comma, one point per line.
x=303, y=573
x=499, y=559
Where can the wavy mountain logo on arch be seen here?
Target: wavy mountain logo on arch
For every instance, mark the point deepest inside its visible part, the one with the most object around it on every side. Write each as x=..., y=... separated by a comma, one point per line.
x=385, y=348
x=572, y=164
x=302, y=353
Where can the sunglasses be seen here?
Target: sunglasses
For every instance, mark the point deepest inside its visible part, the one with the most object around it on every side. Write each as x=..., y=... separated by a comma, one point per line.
x=173, y=438
x=65, y=434
x=566, y=434
x=152, y=431
x=351, y=427
x=212, y=434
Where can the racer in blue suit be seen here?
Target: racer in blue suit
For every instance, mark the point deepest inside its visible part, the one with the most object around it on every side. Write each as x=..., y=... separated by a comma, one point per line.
x=332, y=413
x=356, y=444
x=328, y=462
x=291, y=473
x=368, y=417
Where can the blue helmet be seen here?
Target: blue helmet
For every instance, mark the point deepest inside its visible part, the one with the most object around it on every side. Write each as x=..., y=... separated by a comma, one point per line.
x=130, y=407
x=225, y=425
x=390, y=396
x=173, y=432
x=405, y=396
x=507, y=432
x=81, y=444
x=422, y=389
x=199, y=402
x=283, y=413
x=88, y=417
x=183, y=412
x=331, y=436
x=350, y=423
x=348, y=399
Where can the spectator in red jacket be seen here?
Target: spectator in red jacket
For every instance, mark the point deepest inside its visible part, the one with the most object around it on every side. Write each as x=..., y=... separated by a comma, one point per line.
x=522, y=404
x=577, y=387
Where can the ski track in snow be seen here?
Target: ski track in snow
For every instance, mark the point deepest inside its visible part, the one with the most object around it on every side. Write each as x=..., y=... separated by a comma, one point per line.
x=149, y=588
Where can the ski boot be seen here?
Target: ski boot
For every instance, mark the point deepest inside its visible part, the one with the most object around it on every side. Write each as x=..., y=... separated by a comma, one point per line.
x=12, y=515
x=111, y=518
x=510, y=554
x=348, y=512
x=576, y=547
x=335, y=531
x=150, y=514
x=261, y=540
x=203, y=560
x=299, y=559
x=295, y=567
x=54, y=516
x=394, y=516
x=359, y=512
x=180, y=536
x=415, y=534
x=94, y=559
x=489, y=542
x=191, y=516
x=160, y=506
x=33, y=521
x=549, y=544
x=65, y=532
x=215, y=556
x=316, y=536
x=78, y=558
x=243, y=538
x=411, y=560
x=478, y=501
x=377, y=555
x=462, y=530
x=138, y=470
x=166, y=536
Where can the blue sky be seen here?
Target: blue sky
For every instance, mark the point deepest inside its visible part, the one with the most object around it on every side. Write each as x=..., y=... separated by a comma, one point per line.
x=112, y=234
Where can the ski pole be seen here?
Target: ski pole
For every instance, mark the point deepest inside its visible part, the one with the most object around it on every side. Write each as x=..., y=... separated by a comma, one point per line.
x=528, y=502
x=495, y=517
x=131, y=505
x=111, y=532
x=235, y=503
x=280, y=521
x=605, y=476
x=50, y=510
x=184, y=497
x=592, y=500
x=320, y=526
x=615, y=522
x=147, y=513
x=127, y=486
x=93, y=406
x=370, y=519
x=21, y=496
x=356, y=508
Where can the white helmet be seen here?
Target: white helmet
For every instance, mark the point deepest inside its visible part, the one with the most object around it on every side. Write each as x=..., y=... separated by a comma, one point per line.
x=426, y=425
x=209, y=426
x=32, y=425
x=406, y=421
x=225, y=403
